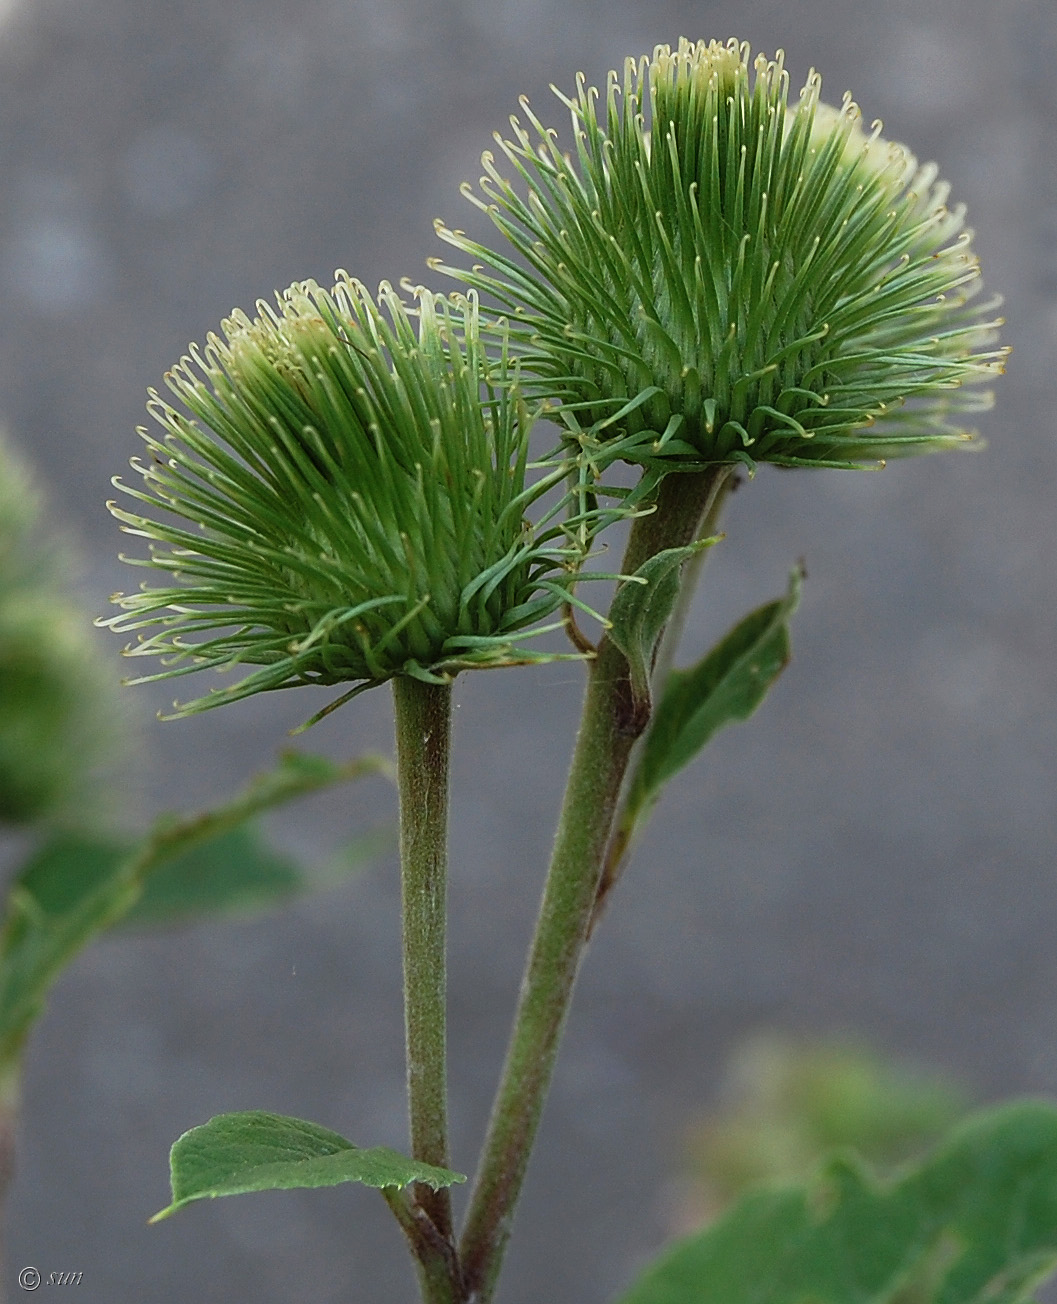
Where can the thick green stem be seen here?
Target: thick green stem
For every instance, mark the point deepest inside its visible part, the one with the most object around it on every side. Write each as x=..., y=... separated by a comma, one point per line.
x=607, y=735
x=423, y=737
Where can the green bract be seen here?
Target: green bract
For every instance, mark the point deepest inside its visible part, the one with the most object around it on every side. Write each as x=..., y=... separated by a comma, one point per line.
x=717, y=277
x=358, y=500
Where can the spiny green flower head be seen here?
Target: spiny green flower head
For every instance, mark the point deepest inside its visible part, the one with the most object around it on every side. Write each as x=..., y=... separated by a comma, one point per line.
x=341, y=505
x=716, y=276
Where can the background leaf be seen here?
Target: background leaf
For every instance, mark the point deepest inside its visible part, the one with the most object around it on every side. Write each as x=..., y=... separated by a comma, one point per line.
x=237, y=874
x=975, y=1223
x=233, y=1154
x=75, y=887
x=235, y=871
x=72, y=889
x=296, y=775
x=785, y=1102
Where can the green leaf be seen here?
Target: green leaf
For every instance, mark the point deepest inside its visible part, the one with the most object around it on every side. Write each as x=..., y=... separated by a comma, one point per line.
x=640, y=610
x=975, y=1223
x=72, y=889
x=726, y=685
x=296, y=775
x=233, y=1154
x=232, y=873
x=75, y=887
x=237, y=874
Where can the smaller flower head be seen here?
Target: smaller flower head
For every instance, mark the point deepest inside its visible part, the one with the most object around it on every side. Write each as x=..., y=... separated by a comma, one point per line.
x=344, y=503
x=714, y=276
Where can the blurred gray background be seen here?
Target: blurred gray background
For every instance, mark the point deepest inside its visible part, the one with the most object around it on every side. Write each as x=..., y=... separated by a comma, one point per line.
x=874, y=854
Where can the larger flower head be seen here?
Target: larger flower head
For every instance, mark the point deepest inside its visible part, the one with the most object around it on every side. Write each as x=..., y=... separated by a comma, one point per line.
x=715, y=276
x=344, y=503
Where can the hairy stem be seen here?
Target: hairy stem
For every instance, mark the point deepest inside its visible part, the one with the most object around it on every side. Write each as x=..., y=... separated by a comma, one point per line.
x=607, y=735
x=423, y=738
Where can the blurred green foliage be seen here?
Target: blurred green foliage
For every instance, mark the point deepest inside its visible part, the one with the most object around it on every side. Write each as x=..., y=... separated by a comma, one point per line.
x=60, y=721
x=974, y=1222
x=788, y=1103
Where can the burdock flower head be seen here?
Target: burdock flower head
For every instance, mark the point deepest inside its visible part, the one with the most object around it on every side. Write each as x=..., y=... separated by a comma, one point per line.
x=715, y=276
x=343, y=501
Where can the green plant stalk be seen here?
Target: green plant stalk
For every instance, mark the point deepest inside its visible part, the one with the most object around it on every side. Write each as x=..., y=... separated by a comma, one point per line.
x=423, y=743
x=607, y=736
x=624, y=825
